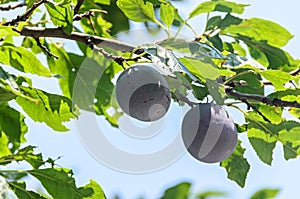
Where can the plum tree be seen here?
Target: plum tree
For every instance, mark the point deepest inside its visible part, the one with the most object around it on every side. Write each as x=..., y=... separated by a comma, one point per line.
x=142, y=92
x=209, y=133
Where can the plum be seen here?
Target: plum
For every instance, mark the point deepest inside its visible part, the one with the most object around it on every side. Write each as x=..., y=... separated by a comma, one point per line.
x=143, y=93
x=209, y=133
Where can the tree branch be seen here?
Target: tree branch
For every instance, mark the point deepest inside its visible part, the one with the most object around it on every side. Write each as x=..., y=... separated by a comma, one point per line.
x=76, y=36
x=46, y=50
x=78, y=5
x=26, y=15
x=87, y=14
x=260, y=98
x=12, y=7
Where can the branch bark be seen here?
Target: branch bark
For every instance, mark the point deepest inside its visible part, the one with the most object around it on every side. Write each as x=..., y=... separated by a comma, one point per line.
x=260, y=98
x=12, y=7
x=76, y=36
x=26, y=15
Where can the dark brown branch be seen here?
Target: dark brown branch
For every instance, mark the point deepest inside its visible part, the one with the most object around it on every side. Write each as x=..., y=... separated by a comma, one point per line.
x=295, y=72
x=255, y=109
x=26, y=15
x=46, y=50
x=78, y=5
x=260, y=98
x=107, y=55
x=12, y=7
x=88, y=14
x=76, y=36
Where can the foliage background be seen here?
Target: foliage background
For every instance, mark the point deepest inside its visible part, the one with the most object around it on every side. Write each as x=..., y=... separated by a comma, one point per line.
x=282, y=174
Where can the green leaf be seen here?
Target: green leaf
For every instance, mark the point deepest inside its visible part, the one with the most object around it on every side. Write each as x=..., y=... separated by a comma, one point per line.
x=265, y=194
x=253, y=82
x=61, y=15
x=277, y=58
x=203, y=69
x=104, y=2
x=237, y=166
x=26, y=154
x=277, y=77
x=13, y=125
x=97, y=190
x=66, y=66
x=19, y=188
x=221, y=6
x=30, y=43
x=167, y=14
x=22, y=59
x=286, y=132
x=45, y=107
x=261, y=30
x=179, y=191
x=7, y=31
x=4, y=150
x=213, y=22
x=118, y=19
x=59, y=183
x=262, y=143
x=137, y=10
x=100, y=26
x=258, y=55
x=209, y=194
x=274, y=114
x=229, y=20
x=216, y=90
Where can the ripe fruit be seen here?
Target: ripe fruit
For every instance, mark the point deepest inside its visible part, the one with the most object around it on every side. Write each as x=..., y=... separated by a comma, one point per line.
x=142, y=92
x=209, y=133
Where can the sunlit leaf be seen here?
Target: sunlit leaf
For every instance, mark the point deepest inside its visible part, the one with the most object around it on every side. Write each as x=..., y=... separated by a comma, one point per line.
x=7, y=31
x=221, y=6
x=97, y=192
x=167, y=14
x=201, y=68
x=179, y=191
x=277, y=78
x=41, y=106
x=61, y=15
x=4, y=150
x=261, y=30
x=265, y=194
x=137, y=10
x=26, y=154
x=22, y=59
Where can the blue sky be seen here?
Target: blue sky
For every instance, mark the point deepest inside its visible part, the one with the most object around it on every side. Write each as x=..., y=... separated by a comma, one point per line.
x=281, y=174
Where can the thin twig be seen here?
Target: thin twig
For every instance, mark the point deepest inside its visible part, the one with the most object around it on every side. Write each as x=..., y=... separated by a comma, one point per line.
x=255, y=109
x=44, y=48
x=295, y=72
x=12, y=7
x=26, y=15
x=87, y=14
x=260, y=98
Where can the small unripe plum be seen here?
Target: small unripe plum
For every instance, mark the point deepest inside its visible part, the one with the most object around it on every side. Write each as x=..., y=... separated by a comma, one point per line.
x=143, y=93
x=209, y=133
